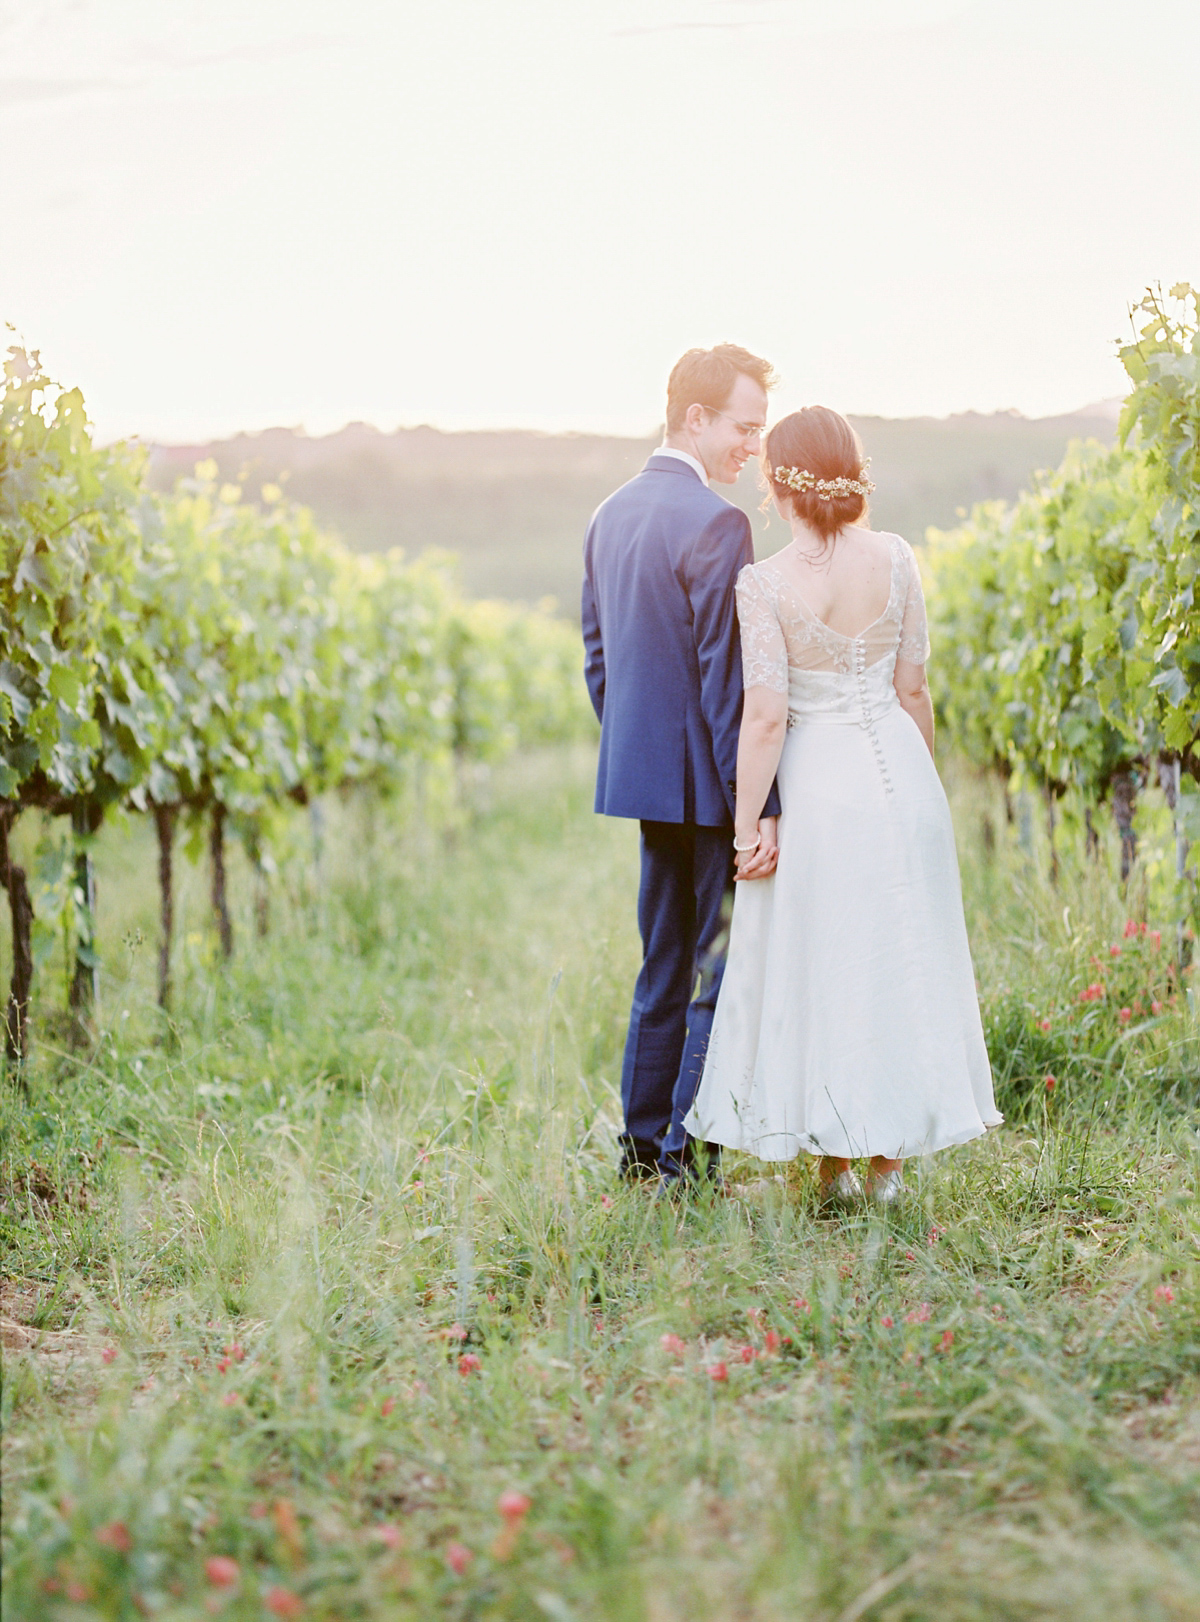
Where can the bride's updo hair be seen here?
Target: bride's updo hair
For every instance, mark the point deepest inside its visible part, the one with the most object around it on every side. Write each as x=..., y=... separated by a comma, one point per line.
x=813, y=458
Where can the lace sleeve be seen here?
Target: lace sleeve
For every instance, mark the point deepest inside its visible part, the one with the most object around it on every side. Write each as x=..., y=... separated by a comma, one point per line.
x=764, y=653
x=914, y=627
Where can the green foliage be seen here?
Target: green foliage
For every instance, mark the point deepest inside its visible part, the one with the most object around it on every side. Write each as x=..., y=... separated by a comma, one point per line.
x=1067, y=638
x=197, y=651
x=76, y=687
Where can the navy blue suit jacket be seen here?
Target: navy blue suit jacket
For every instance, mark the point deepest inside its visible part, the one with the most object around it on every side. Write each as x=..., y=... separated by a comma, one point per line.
x=663, y=656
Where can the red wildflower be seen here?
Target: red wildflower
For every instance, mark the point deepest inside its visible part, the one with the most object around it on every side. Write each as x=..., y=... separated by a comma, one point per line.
x=283, y=1602
x=673, y=1344
x=1156, y=1007
x=718, y=1372
x=771, y=1342
x=223, y=1366
x=1164, y=1292
x=221, y=1571
x=237, y=1351
x=455, y=1332
x=231, y=1399
x=386, y=1406
x=1131, y=928
x=888, y=1321
x=468, y=1363
x=909, y=1257
x=801, y=1304
x=391, y=1535
x=1051, y=1083
x=458, y=1558
x=747, y=1354
x=606, y=1201
x=115, y=1536
x=109, y=1354
x=1124, y=1015
x=1114, y=950
x=1045, y=1024
x=79, y=1593
x=514, y=1506
x=1156, y=938
x=947, y=1340
x=919, y=1315
x=934, y=1235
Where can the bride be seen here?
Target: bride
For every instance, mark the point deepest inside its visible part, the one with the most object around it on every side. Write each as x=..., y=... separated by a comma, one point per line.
x=847, y=1023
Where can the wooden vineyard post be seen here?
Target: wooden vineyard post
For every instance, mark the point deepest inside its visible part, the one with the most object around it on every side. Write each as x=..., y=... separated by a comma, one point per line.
x=16, y=1016
x=164, y=827
x=86, y=818
x=1124, y=801
x=220, y=901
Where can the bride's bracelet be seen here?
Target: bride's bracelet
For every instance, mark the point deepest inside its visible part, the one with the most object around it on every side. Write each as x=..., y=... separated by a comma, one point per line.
x=744, y=850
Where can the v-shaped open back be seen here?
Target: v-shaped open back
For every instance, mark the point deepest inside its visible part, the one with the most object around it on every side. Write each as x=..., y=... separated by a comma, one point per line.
x=781, y=632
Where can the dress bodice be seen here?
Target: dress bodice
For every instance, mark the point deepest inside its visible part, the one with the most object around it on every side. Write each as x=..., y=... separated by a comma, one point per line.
x=787, y=649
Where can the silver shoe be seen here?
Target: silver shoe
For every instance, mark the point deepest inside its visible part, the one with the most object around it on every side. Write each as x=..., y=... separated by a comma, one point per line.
x=889, y=1188
x=844, y=1189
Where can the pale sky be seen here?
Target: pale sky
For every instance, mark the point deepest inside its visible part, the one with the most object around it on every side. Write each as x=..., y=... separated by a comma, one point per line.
x=224, y=214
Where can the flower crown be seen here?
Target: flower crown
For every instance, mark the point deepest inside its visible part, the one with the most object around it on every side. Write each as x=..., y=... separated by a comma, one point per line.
x=800, y=480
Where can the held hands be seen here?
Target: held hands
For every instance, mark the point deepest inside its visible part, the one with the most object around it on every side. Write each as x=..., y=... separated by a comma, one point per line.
x=758, y=862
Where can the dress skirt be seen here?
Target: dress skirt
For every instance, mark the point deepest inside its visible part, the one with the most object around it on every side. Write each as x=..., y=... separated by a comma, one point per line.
x=848, y=1022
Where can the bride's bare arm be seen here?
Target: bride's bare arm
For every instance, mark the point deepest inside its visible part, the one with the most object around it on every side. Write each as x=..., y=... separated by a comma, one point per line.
x=760, y=744
x=912, y=689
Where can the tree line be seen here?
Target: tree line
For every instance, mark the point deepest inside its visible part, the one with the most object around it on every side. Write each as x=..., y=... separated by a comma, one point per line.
x=1067, y=625
x=200, y=658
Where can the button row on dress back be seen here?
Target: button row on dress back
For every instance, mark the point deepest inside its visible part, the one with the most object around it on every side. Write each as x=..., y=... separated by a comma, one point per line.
x=860, y=671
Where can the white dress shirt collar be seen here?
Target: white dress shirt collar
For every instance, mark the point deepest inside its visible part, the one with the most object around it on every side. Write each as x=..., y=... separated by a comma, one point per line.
x=683, y=456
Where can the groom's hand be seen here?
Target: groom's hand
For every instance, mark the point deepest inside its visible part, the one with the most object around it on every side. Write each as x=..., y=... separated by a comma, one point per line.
x=760, y=864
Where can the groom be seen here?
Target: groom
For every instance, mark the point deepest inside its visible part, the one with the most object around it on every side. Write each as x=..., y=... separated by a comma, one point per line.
x=663, y=667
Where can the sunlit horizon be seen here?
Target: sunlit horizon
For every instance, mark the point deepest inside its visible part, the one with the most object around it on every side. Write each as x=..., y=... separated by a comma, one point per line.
x=517, y=218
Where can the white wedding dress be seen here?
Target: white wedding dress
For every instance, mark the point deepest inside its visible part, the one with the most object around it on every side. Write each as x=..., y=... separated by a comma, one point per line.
x=847, y=1022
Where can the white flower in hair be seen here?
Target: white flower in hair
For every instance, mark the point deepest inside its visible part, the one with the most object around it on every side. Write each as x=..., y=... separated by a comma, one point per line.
x=800, y=480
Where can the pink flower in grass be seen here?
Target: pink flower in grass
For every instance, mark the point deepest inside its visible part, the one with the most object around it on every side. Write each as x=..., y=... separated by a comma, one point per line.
x=947, y=1340
x=221, y=1571
x=1114, y=950
x=1051, y=1082
x=1164, y=1292
x=386, y=1406
x=1045, y=1024
x=888, y=1321
x=1156, y=1007
x=109, y=1354
x=718, y=1372
x=468, y=1363
x=1156, y=938
x=673, y=1344
x=458, y=1558
x=455, y=1332
x=1124, y=1015
x=283, y=1602
x=606, y=1201
x=746, y=1354
x=514, y=1506
x=115, y=1536
x=801, y=1304
x=771, y=1342
x=919, y=1315
x=391, y=1536
x=231, y=1399
x=1131, y=929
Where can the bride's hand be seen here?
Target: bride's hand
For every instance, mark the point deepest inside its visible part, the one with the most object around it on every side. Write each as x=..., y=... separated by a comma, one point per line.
x=760, y=862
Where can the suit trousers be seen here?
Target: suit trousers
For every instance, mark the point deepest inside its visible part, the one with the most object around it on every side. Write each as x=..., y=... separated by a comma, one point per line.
x=686, y=883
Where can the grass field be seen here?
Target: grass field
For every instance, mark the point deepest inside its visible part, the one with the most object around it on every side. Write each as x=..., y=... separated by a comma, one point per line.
x=324, y=1301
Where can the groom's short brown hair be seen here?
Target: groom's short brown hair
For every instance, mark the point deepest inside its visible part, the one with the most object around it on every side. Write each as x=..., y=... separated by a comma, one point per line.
x=706, y=377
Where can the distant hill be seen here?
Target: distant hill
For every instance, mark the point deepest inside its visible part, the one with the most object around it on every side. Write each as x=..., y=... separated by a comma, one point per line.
x=514, y=505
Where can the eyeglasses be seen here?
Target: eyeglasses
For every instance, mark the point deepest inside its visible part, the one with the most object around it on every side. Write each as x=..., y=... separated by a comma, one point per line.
x=748, y=430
